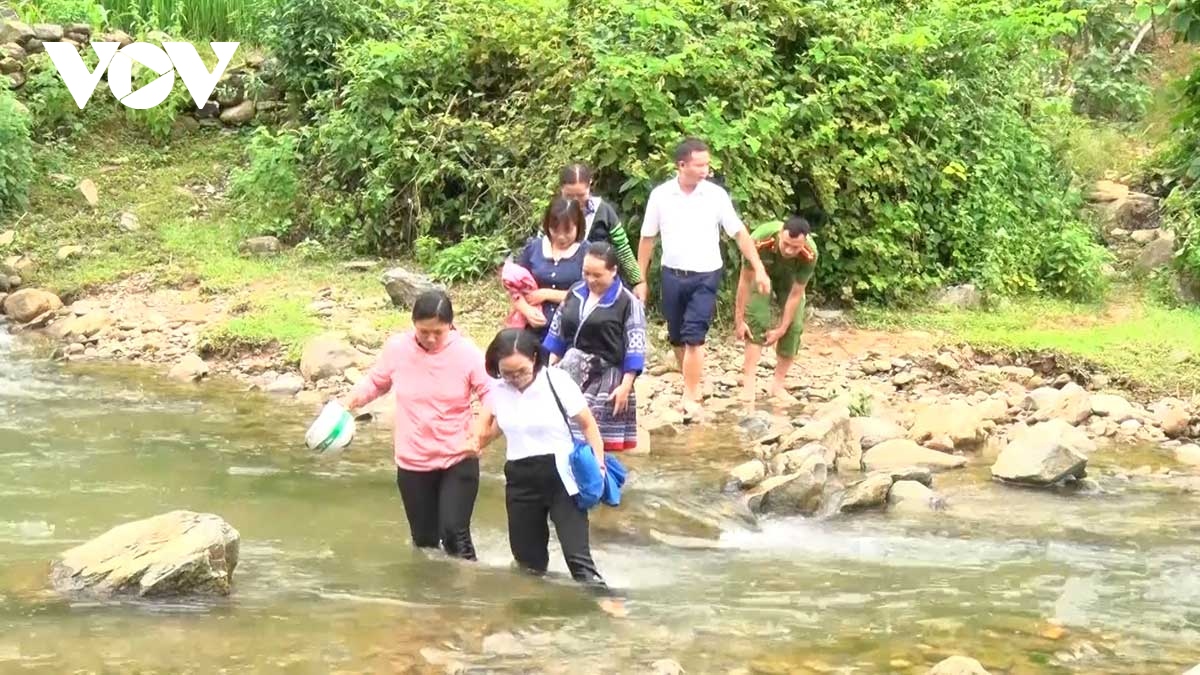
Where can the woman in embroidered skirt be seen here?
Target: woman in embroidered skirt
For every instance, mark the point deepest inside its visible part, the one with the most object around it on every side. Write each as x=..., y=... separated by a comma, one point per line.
x=599, y=337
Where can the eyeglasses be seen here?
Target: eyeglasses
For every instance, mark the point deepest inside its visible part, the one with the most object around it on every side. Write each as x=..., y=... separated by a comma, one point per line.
x=519, y=375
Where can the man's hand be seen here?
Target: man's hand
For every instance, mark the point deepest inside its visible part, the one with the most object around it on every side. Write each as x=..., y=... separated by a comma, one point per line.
x=742, y=333
x=774, y=335
x=642, y=291
x=762, y=281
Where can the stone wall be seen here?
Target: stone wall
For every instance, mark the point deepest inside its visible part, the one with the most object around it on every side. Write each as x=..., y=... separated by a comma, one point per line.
x=244, y=93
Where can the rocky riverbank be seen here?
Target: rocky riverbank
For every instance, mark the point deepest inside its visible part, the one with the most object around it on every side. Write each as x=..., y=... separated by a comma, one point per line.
x=870, y=400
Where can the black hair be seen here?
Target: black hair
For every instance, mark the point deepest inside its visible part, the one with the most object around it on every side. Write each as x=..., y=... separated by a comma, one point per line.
x=433, y=304
x=797, y=225
x=563, y=210
x=514, y=341
x=575, y=173
x=604, y=251
x=684, y=151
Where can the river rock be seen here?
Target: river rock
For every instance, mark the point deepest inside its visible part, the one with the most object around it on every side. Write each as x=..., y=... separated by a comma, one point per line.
x=29, y=303
x=288, y=384
x=129, y=222
x=48, y=32
x=1144, y=237
x=1157, y=253
x=7, y=238
x=1040, y=398
x=871, y=431
x=957, y=421
x=1172, y=417
x=87, y=188
x=175, y=553
x=87, y=325
x=903, y=453
x=1113, y=407
x=909, y=496
x=830, y=428
x=964, y=296
x=1105, y=191
x=327, y=356
x=191, y=368
x=1188, y=454
x=793, y=460
x=67, y=252
x=1073, y=405
x=794, y=494
x=15, y=32
x=959, y=665
x=747, y=475
x=403, y=287
x=947, y=363
x=867, y=493
x=261, y=246
x=242, y=113
x=1041, y=455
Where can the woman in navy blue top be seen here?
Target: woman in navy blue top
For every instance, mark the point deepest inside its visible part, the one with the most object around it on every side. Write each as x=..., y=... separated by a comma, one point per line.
x=555, y=259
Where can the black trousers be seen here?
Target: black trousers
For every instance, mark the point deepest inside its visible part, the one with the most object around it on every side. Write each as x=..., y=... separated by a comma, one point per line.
x=534, y=493
x=439, y=506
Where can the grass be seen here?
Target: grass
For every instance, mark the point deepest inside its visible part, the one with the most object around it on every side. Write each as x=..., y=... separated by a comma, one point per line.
x=1153, y=347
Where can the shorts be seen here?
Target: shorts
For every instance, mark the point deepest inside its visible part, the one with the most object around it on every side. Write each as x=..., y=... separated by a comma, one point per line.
x=762, y=317
x=689, y=301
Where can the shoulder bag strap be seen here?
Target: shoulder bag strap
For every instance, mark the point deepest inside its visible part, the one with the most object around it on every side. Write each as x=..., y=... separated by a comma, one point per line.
x=558, y=401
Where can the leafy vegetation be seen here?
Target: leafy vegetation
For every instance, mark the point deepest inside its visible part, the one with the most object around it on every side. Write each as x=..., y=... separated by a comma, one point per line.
x=16, y=153
x=925, y=163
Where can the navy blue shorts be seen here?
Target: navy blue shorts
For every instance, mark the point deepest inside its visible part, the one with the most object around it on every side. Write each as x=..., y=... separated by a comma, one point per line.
x=689, y=301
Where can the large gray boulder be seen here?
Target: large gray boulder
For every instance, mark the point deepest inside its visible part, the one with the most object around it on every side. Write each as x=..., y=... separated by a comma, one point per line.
x=903, y=453
x=404, y=287
x=327, y=356
x=1042, y=455
x=176, y=553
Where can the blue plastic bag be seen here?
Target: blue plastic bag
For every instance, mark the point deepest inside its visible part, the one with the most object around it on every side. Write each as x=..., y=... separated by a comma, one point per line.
x=595, y=487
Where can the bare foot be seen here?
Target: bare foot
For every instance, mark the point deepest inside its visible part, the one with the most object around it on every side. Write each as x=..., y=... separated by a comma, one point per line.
x=691, y=410
x=782, y=397
x=747, y=395
x=614, y=607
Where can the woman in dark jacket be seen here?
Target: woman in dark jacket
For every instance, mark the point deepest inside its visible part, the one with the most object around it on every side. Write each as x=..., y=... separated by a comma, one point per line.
x=603, y=223
x=599, y=337
x=555, y=259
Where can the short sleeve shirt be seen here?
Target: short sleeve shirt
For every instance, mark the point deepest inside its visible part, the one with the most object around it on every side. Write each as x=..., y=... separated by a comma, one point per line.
x=690, y=224
x=784, y=272
x=530, y=419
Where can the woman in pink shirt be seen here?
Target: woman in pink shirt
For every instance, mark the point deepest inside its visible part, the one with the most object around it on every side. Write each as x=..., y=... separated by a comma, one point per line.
x=433, y=372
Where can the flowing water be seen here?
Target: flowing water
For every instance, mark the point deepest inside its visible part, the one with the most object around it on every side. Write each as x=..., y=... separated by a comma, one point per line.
x=327, y=581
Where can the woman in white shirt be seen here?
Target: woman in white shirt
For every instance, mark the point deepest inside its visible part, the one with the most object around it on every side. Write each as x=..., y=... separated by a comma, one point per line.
x=528, y=403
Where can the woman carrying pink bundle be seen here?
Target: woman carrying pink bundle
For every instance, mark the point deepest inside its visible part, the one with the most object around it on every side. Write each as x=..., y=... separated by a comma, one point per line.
x=433, y=372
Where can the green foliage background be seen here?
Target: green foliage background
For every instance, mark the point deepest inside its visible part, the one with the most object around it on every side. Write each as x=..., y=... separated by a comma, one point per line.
x=925, y=163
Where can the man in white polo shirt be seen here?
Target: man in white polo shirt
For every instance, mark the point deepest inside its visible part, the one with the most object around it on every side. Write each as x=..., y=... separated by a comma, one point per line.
x=689, y=212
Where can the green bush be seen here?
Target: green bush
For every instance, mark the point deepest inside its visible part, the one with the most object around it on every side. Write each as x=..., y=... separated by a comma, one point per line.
x=470, y=258
x=90, y=12
x=16, y=153
x=305, y=36
x=51, y=107
x=926, y=163
x=269, y=186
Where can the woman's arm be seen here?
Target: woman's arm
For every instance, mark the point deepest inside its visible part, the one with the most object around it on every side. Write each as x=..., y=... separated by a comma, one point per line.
x=591, y=432
x=377, y=381
x=486, y=430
